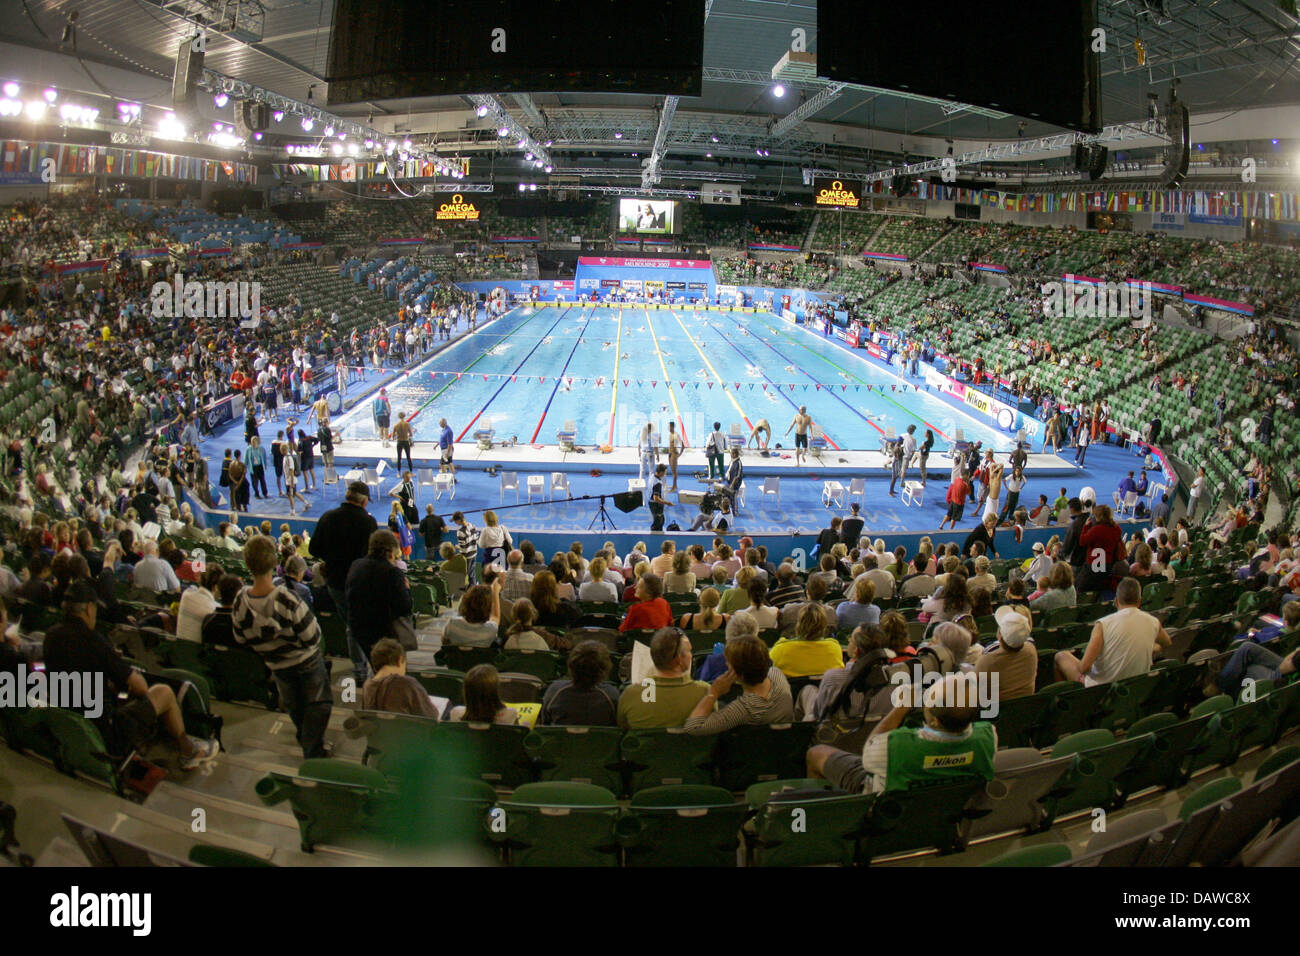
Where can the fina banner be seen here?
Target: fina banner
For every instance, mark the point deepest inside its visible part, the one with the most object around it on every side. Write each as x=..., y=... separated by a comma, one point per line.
x=1172, y=221
x=720, y=194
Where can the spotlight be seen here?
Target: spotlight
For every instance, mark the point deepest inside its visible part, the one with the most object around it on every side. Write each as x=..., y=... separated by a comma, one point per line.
x=549, y=168
x=370, y=144
x=342, y=137
x=329, y=130
x=537, y=163
x=288, y=148
x=338, y=150
x=390, y=146
x=257, y=136
x=11, y=89
x=1274, y=142
x=308, y=123
x=35, y=109
x=532, y=187
x=503, y=131
x=618, y=135
x=778, y=91
x=481, y=112
x=714, y=138
x=50, y=94
x=528, y=157
x=277, y=115
x=169, y=127
x=221, y=99
x=522, y=187
x=548, y=142
x=522, y=143
x=708, y=155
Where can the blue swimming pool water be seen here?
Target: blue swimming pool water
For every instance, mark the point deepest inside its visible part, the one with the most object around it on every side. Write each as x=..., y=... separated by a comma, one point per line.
x=531, y=372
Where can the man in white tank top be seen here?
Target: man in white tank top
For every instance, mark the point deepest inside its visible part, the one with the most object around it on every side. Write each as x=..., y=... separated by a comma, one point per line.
x=1122, y=643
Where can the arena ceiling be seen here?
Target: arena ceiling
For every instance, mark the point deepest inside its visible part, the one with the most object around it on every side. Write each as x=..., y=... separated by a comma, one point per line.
x=1228, y=55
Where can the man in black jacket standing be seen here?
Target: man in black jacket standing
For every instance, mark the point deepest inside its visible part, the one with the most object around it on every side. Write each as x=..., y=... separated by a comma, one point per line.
x=1072, y=548
x=342, y=536
x=377, y=592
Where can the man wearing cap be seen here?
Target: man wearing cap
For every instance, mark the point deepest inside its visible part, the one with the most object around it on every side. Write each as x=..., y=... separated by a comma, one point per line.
x=1040, y=564
x=342, y=536
x=1015, y=658
x=72, y=648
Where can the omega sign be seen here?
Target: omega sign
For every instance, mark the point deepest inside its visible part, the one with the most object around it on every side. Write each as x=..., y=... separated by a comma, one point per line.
x=833, y=192
x=458, y=209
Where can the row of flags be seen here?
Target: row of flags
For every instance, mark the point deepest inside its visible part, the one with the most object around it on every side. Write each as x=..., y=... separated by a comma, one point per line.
x=1258, y=205
x=19, y=156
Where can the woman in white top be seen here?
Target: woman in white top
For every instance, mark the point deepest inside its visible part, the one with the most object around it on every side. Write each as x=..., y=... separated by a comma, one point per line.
x=291, y=479
x=647, y=452
x=494, y=540
x=680, y=580
x=764, y=615
x=196, y=604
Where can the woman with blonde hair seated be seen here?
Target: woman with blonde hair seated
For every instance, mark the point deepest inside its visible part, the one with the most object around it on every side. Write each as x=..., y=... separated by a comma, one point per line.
x=707, y=617
x=812, y=650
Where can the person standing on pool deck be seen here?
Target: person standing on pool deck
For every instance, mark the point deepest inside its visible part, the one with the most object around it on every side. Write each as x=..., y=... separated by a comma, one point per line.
x=909, y=450
x=766, y=429
x=675, y=446
x=646, y=451
x=402, y=433
x=713, y=450
x=926, y=446
x=447, y=445
x=381, y=409
x=800, y=425
x=657, y=500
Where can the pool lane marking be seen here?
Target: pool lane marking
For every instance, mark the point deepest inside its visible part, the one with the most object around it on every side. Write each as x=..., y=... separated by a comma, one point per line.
x=779, y=390
x=911, y=414
x=618, y=351
x=482, y=355
x=712, y=370
x=671, y=397
x=560, y=379
x=506, y=379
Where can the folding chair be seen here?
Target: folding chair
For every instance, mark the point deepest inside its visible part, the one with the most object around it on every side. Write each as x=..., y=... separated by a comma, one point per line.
x=559, y=482
x=772, y=486
x=536, y=486
x=509, y=482
x=444, y=482
x=372, y=479
x=857, y=486
x=426, y=477
x=832, y=493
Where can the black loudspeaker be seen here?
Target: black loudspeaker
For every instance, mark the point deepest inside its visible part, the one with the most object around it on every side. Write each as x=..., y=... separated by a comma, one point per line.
x=185, y=81
x=1080, y=158
x=627, y=501
x=252, y=118
x=1179, y=129
x=1097, y=162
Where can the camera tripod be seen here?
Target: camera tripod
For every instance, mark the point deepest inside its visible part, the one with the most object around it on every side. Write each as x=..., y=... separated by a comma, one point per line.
x=602, y=515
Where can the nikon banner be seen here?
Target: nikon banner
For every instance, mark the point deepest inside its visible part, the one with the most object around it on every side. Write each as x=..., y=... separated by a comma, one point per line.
x=836, y=193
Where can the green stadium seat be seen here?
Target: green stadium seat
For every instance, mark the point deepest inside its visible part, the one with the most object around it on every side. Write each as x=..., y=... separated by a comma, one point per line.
x=670, y=756
x=1048, y=854
x=1100, y=760
x=749, y=755
x=681, y=826
x=1209, y=793
x=334, y=801
x=925, y=817
x=808, y=827
x=558, y=824
x=578, y=754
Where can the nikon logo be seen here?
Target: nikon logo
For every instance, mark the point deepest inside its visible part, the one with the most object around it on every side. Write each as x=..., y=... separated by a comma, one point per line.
x=206, y=300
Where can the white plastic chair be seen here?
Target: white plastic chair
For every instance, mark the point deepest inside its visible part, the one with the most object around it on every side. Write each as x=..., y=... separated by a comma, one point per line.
x=1129, y=505
x=559, y=482
x=372, y=479
x=444, y=482
x=426, y=477
x=509, y=482
x=913, y=493
x=772, y=486
x=536, y=486
x=858, y=486
x=832, y=493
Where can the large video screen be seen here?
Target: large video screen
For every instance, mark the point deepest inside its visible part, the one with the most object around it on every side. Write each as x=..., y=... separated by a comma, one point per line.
x=387, y=49
x=652, y=217
x=1037, y=60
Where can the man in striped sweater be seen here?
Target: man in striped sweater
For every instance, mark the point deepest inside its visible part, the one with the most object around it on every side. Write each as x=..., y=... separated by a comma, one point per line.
x=277, y=624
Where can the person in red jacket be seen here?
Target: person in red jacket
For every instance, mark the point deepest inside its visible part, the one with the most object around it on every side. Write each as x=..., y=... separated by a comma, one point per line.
x=651, y=611
x=958, y=492
x=1103, y=548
